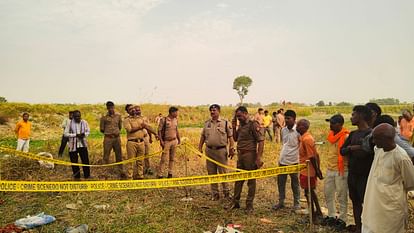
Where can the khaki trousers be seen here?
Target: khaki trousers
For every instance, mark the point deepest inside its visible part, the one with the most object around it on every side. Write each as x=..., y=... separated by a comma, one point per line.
x=277, y=132
x=220, y=156
x=114, y=143
x=246, y=161
x=146, y=160
x=169, y=151
x=135, y=149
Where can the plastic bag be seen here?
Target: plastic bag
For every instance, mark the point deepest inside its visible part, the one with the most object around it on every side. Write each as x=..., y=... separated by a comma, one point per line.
x=34, y=221
x=46, y=164
x=79, y=229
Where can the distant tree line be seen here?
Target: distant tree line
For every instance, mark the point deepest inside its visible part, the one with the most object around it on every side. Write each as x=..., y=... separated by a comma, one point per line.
x=383, y=101
x=386, y=101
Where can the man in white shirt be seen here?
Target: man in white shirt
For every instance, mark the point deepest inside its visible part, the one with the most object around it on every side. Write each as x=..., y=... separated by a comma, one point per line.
x=289, y=155
x=65, y=139
x=391, y=176
x=77, y=131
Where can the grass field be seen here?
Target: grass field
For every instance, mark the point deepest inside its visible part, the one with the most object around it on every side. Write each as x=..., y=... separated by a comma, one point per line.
x=156, y=210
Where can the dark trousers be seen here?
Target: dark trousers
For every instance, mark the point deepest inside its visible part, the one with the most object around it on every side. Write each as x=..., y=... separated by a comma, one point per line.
x=356, y=187
x=115, y=144
x=147, y=164
x=268, y=131
x=246, y=161
x=294, y=184
x=63, y=143
x=83, y=154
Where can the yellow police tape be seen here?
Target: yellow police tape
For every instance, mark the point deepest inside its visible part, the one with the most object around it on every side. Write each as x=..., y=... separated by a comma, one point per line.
x=73, y=186
x=65, y=163
x=203, y=155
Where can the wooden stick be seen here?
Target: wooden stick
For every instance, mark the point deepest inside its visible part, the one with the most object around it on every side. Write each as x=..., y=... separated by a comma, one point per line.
x=309, y=197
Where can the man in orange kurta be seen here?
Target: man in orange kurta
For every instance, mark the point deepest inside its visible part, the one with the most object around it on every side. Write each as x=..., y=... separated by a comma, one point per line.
x=22, y=131
x=307, y=151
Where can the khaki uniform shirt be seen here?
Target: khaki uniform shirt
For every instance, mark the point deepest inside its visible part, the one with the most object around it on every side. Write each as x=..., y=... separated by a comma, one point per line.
x=280, y=119
x=171, y=127
x=259, y=118
x=216, y=133
x=111, y=125
x=146, y=121
x=132, y=122
x=249, y=135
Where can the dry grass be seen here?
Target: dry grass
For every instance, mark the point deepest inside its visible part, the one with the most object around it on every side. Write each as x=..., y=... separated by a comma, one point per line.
x=148, y=210
x=142, y=210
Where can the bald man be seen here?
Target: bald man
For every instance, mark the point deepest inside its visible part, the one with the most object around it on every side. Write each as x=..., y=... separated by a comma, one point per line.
x=390, y=178
x=307, y=151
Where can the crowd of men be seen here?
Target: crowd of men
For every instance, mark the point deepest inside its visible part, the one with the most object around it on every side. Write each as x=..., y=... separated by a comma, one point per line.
x=373, y=164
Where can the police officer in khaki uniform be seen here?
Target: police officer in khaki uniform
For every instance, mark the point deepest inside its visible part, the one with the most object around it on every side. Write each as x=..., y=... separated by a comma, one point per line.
x=147, y=143
x=217, y=134
x=135, y=127
x=110, y=126
x=169, y=139
x=147, y=146
x=250, y=143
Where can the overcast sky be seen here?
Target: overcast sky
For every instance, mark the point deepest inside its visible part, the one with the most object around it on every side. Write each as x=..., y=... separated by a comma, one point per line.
x=188, y=52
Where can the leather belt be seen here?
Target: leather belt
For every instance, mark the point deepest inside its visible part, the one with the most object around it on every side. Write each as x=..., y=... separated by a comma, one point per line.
x=241, y=151
x=170, y=139
x=136, y=140
x=216, y=147
x=111, y=136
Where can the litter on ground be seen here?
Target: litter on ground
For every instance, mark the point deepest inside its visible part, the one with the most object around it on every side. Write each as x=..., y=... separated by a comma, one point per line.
x=34, y=221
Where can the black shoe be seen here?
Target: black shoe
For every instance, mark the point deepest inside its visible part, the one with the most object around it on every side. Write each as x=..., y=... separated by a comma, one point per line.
x=160, y=177
x=123, y=176
x=169, y=175
x=278, y=206
x=235, y=206
x=339, y=225
x=328, y=221
x=351, y=228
